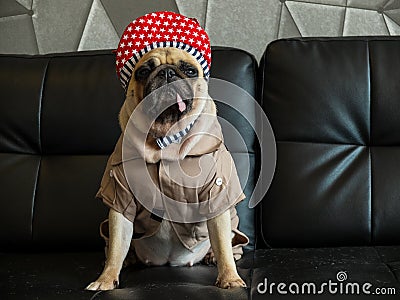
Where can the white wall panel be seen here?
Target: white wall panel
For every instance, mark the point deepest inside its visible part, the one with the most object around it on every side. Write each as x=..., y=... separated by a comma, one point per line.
x=99, y=33
x=61, y=26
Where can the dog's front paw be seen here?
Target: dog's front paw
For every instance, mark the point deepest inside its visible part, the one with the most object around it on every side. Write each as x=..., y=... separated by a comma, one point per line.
x=227, y=281
x=104, y=283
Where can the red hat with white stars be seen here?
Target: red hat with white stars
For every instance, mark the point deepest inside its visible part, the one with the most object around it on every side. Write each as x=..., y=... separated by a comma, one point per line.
x=159, y=30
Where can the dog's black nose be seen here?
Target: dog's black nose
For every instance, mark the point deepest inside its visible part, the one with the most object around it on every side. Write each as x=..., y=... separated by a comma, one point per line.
x=167, y=73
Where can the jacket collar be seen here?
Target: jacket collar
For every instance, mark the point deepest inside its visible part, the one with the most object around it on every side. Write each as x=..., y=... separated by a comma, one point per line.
x=204, y=137
x=174, y=138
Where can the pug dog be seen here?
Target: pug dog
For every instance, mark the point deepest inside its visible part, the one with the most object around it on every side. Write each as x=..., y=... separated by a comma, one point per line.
x=131, y=226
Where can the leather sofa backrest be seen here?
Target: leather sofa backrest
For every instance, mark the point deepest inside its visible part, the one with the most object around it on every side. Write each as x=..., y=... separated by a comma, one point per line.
x=334, y=106
x=58, y=124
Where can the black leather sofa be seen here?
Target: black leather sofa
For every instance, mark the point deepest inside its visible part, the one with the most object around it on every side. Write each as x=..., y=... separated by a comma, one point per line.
x=329, y=222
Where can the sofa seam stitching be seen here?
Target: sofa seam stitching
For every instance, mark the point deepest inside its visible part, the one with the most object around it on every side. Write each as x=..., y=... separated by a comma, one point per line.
x=369, y=143
x=40, y=146
x=41, y=105
x=258, y=213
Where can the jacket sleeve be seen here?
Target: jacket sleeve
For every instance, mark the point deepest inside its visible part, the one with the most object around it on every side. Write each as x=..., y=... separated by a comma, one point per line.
x=225, y=193
x=115, y=193
x=225, y=190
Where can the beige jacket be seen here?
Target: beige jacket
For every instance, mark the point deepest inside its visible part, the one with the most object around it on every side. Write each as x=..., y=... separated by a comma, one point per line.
x=211, y=194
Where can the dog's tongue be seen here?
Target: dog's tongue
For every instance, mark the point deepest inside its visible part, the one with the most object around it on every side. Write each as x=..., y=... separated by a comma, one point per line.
x=181, y=104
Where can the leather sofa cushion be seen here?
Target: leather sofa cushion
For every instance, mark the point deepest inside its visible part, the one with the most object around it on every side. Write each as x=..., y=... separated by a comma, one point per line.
x=333, y=105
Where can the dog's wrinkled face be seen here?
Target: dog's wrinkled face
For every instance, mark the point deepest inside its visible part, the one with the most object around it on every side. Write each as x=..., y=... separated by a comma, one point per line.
x=165, y=68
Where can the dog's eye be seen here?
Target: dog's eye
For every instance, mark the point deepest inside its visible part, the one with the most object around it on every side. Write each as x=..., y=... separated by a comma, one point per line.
x=188, y=69
x=191, y=72
x=142, y=73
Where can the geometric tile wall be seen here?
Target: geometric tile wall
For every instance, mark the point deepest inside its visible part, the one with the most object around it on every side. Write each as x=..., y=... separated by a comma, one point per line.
x=48, y=26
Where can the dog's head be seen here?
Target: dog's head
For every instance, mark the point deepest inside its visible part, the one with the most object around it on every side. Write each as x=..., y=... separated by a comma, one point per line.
x=163, y=60
x=169, y=84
